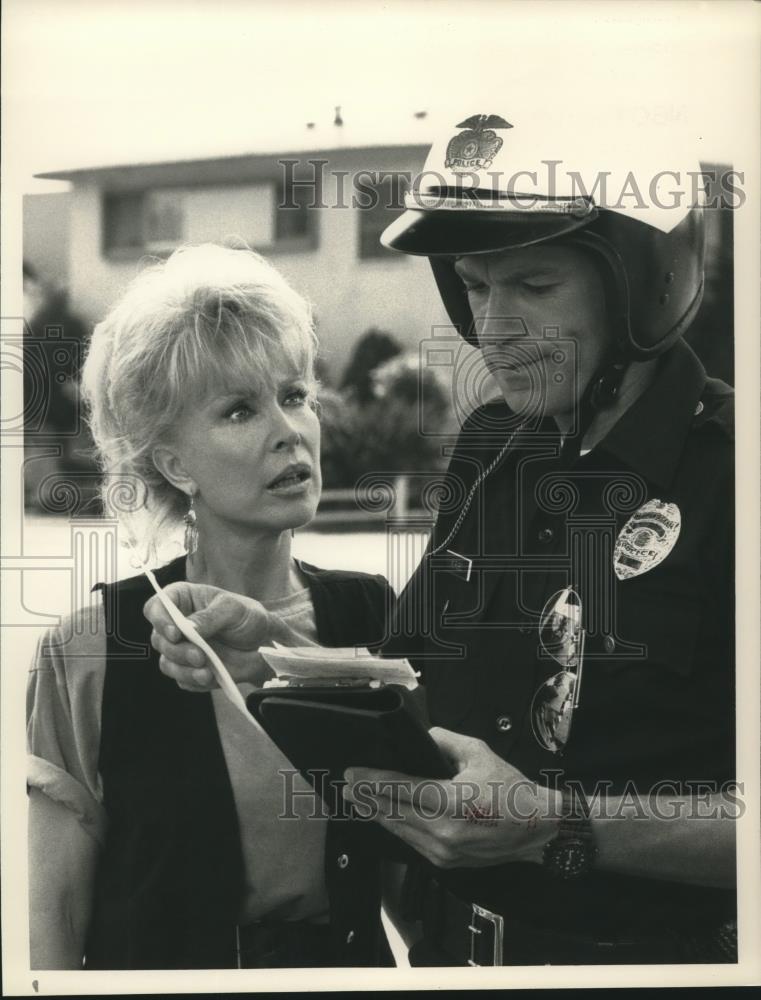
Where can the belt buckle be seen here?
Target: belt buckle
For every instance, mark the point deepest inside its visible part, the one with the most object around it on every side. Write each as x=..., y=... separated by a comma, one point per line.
x=497, y=924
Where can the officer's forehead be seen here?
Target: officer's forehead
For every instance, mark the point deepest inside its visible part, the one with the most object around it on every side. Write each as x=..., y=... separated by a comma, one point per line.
x=522, y=259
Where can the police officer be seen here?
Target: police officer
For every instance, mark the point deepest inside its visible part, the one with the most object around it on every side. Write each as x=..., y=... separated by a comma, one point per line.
x=573, y=614
x=579, y=659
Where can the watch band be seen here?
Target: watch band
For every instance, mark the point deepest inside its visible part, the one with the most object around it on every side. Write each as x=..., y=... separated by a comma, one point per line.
x=571, y=853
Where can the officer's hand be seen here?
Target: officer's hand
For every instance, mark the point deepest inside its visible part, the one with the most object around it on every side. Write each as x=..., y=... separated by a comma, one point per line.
x=489, y=813
x=234, y=626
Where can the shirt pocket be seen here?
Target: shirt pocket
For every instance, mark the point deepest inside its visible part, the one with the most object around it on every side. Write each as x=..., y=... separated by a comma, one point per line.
x=655, y=630
x=436, y=645
x=448, y=669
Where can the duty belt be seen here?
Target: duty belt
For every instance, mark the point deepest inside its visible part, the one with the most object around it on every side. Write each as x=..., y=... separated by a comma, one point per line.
x=466, y=933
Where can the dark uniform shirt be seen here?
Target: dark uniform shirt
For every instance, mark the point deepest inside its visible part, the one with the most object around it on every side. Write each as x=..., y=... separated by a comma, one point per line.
x=656, y=689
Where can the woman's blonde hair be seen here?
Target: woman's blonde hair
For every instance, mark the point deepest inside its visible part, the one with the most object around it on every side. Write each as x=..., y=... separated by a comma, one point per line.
x=183, y=326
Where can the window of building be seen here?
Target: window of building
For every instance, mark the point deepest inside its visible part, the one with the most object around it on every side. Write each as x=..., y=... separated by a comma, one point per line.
x=158, y=220
x=163, y=219
x=143, y=221
x=386, y=203
x=295, y=221
x=123, y=221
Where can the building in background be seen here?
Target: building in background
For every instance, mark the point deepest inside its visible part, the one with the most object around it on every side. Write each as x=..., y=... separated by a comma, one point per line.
x=46, y=236
x=92, y=239
x=314, y=201
x=315, y=208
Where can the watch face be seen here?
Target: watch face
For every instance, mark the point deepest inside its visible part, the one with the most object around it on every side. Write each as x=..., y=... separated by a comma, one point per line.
x=567, y=858
x=575, y=858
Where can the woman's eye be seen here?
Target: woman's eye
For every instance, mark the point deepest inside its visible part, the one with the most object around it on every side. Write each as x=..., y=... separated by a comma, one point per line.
x=296, y=397
x=238, y=413
x=474, y=287
x=538, y=288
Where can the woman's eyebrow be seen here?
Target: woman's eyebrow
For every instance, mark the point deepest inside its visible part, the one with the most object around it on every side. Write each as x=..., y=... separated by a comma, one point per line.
x=224, y=396
x=249, y=391
x=237, y=393
x=288, y=381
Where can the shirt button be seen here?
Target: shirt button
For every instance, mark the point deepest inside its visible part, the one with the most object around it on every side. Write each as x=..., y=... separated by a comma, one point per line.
x=350, y=937
x=343, y=861
x=504, y=723
x=609, y=643
x=546, y=535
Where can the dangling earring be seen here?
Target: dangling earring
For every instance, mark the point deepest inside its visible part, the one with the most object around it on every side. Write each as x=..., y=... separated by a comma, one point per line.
x=191, y=529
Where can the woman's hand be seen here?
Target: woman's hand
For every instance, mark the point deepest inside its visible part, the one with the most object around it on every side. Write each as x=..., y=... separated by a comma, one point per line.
x=235, y=627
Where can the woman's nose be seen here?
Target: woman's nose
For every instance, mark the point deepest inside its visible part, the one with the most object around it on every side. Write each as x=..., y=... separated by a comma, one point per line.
x=287, y=440
x=286, y=435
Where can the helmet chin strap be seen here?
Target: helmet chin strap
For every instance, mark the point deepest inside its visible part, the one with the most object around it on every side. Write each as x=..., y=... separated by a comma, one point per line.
x=600, y=393
x=603, y=387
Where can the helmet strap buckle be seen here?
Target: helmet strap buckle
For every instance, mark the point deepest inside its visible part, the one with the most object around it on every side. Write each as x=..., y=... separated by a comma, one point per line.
x=605, y=389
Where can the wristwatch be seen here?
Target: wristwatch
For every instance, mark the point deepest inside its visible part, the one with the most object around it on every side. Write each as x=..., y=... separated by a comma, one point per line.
x=571, y=853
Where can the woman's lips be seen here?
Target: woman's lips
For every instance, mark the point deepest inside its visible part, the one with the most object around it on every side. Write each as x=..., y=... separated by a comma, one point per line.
x=292, y=482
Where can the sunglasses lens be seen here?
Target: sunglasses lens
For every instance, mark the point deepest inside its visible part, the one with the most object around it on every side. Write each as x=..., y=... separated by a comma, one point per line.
x=560, y=636
x=551, y=711
x=560, y=628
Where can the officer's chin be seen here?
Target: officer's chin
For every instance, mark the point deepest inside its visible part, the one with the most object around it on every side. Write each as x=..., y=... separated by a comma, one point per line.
x=531, y=400
x=520, y=391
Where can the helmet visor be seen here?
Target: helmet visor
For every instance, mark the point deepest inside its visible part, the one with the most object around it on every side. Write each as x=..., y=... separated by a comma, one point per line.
x=447, y=232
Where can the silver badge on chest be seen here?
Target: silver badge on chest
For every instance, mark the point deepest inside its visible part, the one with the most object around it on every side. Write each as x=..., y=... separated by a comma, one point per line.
x=646, y=538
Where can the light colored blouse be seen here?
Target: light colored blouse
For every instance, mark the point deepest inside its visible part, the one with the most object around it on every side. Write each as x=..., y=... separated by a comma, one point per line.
x=283, y=859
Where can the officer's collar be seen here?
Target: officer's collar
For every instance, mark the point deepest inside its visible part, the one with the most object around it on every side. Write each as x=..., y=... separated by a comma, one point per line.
x=649, y=437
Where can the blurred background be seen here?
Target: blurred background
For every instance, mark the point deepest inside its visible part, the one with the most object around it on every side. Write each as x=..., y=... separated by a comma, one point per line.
x=374, y=309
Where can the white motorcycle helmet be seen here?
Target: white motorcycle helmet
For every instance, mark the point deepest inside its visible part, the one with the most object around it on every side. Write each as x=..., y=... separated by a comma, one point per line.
x=492, y=184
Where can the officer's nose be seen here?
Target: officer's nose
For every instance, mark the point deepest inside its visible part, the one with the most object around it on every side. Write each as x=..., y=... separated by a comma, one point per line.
x=498, y=331
x=498, y=321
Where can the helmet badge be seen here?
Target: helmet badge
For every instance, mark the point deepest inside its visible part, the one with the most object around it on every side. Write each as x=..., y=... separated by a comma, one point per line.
x=476, y=147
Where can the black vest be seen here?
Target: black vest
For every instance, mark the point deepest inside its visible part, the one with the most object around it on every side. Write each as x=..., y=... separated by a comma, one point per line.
x=170, y=880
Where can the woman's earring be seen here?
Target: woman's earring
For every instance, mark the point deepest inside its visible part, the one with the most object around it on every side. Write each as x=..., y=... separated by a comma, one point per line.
x=191, y=530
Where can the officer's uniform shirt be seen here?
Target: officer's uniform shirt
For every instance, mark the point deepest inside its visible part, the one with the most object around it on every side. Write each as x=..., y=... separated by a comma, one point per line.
x=656, y=696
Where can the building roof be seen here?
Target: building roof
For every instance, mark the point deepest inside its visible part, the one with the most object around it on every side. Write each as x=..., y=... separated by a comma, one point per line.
x=307, y=139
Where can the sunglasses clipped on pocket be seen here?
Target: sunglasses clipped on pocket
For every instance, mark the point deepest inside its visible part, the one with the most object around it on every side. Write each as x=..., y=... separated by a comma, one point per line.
x=561, y=637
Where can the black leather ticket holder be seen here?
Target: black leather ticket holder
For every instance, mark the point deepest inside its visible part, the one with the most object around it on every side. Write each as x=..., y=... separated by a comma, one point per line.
x=332, y=728
x=324, y=730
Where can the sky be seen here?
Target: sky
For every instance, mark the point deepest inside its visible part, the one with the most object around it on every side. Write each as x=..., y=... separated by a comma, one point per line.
x=88, y=83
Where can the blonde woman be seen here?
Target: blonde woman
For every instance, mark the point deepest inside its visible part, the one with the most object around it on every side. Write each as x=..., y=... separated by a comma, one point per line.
x=154, y=832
